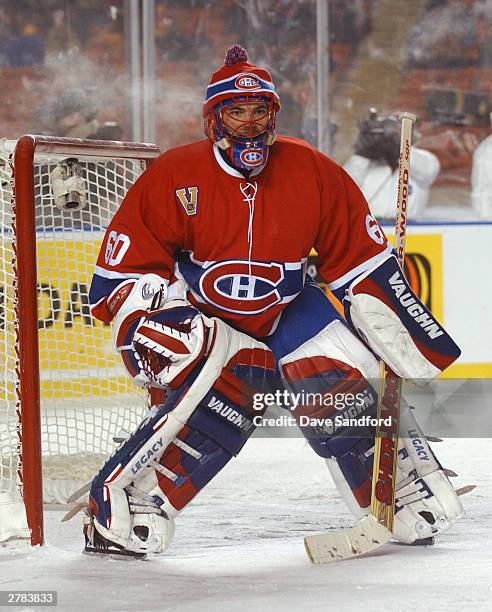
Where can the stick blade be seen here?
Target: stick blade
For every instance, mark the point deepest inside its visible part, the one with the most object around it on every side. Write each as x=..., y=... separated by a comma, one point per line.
x=365, y=537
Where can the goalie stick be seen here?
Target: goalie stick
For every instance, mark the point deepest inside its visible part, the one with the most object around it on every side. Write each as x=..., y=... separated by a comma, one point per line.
x=375, y=529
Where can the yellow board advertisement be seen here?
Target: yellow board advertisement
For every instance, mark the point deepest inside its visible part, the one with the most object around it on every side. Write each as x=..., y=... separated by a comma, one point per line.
x=424, y=269
x=77, y=354
x=76, y=351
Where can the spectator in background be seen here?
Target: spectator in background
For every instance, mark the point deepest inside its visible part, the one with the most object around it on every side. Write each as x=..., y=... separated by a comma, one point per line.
x=75, y=115
x=374, y=167
x=296, y=76
x=484, y=39
x=61, y=38
x=106, y=45
x=446, y=37
x=26, y=48
x=349, y=22
x=178, y=32
x=455, y=123
x=5, y=30
x=481, y=178
x=80, y=124
x=163, y=26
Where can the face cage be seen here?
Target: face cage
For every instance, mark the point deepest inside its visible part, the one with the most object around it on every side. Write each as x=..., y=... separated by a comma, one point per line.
x=216, y=130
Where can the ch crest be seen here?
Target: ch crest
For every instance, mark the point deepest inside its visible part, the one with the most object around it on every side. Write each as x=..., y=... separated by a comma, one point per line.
x=189, y=199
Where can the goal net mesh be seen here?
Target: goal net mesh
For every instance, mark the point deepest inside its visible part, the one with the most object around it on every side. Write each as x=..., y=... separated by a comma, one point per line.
x=86, y=397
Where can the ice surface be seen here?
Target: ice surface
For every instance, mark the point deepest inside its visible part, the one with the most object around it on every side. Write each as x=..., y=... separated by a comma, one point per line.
x=239, y=547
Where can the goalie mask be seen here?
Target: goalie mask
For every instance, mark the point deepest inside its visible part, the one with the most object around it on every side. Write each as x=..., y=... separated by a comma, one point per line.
x=239, y=110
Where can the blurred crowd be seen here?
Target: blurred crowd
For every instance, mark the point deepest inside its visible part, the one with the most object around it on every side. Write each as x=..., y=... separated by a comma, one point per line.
x=32, y=32
x=64, y=68
x=87, y=38
x=448, y=84
x=454, y=33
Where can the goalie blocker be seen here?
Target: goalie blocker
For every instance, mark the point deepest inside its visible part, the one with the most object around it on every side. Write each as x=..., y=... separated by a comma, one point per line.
x=382, y=308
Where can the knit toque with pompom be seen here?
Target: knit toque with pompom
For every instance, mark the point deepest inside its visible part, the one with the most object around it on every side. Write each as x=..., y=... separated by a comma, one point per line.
x=237, y=78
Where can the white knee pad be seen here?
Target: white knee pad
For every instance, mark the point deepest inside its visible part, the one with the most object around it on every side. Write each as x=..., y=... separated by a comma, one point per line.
x=337, y=342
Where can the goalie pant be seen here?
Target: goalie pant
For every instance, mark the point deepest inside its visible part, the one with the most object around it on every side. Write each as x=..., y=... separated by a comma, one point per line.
x=206, y=420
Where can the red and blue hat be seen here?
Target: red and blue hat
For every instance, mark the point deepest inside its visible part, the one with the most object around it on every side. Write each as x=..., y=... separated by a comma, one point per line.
x=238, y=78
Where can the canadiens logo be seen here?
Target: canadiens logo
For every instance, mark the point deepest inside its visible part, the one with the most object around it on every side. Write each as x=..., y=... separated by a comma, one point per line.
x=251, y=157
x=188, y=196
x=242, y=287
x=147, y=291
x=373, y=229
x=246, y=81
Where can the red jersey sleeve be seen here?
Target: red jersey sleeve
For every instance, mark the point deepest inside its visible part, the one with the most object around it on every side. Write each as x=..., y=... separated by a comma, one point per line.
x=142, y=236
x=349, y=239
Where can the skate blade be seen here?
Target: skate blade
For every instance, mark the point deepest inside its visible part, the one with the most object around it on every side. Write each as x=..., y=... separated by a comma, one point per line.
x=73, y=511
x=422, y=542
x=120, y=555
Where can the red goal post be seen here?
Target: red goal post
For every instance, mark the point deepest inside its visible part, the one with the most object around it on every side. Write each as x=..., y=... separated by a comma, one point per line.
x=56, y=392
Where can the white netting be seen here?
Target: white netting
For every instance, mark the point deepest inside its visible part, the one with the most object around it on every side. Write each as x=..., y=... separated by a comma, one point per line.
x=86, y=398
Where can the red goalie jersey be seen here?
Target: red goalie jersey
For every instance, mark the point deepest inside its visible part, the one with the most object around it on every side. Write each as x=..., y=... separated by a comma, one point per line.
x=240, y=244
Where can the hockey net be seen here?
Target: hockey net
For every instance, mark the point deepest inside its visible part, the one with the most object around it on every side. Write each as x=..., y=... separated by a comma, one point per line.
x=80, y=397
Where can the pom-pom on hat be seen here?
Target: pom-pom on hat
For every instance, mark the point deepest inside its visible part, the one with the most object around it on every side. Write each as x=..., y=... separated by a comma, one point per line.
x=237, y=78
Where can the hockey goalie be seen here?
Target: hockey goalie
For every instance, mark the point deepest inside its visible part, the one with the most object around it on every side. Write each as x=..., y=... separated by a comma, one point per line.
x=203, y=272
